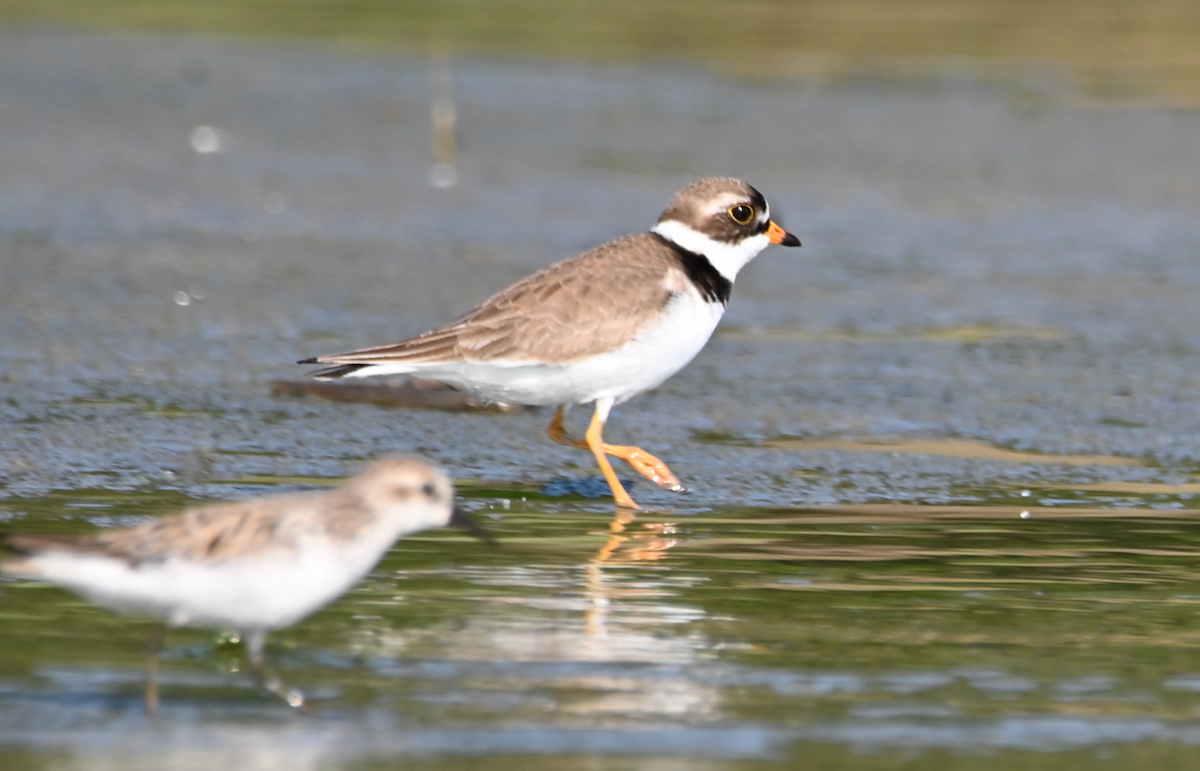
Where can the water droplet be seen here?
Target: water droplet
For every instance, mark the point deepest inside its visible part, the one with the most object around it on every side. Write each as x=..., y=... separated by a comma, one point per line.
x=295, y=698
x=205, y=140
x=183, y=298
x=1026, y=493
x=1025, y=515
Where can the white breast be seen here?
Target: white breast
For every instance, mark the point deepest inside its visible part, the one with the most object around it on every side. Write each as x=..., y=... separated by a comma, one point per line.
x=660, y=350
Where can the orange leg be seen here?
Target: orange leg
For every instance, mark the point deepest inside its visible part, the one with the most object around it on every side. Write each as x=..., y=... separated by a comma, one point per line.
x=152, y=650
x=595, y=443
x=643, y=462
x=559, y=434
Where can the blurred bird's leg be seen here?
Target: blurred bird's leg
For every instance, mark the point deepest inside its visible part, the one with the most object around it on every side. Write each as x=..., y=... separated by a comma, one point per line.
x=256, y=643
x=153, y=647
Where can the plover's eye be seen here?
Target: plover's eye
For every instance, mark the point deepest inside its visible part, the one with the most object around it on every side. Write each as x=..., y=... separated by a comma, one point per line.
x=742, y=213
x=429, y=490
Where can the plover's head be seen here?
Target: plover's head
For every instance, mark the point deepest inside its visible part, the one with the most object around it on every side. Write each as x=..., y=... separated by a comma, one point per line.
x=724, y=219
x=412, y=495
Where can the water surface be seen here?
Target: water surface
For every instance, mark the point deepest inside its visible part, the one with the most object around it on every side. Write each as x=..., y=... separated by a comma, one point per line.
x=855, y=634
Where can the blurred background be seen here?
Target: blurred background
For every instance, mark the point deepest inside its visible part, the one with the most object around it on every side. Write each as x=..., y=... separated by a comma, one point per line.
x=1114, y=49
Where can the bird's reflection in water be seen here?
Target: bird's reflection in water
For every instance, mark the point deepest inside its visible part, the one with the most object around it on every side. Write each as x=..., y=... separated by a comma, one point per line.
x=628, y=542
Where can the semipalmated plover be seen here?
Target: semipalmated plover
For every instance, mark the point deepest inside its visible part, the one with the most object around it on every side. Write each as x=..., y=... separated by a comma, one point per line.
x=600, y=327
x=249, y=567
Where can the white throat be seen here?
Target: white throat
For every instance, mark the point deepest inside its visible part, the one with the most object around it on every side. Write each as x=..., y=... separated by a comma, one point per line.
x=727, y=258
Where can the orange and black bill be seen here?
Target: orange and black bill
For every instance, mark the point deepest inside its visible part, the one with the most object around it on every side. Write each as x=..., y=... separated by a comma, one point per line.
x=780, y=236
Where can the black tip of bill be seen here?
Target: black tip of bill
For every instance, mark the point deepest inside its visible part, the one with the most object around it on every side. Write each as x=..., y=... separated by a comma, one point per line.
x=790, y=240
x=460, y=518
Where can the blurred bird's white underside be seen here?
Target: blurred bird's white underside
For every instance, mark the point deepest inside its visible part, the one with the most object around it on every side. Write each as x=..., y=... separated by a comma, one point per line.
x=268, y=589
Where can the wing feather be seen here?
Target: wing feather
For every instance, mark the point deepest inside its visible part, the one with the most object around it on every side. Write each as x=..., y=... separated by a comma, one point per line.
x=568, y=311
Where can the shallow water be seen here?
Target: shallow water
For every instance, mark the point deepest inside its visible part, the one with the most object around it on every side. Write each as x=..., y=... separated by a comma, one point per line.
x=943, y=458
x=861, y=634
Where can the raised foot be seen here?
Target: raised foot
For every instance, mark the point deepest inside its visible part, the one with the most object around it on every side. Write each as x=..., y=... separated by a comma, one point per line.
x=647, y=465
x=293, y=697
x=271, y=683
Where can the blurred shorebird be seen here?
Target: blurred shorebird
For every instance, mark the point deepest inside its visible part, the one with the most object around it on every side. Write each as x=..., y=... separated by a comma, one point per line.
x=600, y=327
x=249, y=567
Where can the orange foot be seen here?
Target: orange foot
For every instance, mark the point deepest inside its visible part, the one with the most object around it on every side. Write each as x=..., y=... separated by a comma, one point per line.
x=647, y=465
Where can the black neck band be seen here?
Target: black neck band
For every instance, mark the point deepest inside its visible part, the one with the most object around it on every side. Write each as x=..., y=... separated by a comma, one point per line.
x=712, y=286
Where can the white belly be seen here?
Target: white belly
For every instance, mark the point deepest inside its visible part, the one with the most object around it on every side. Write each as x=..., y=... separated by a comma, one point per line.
x=261, y=591
x=660, y=350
